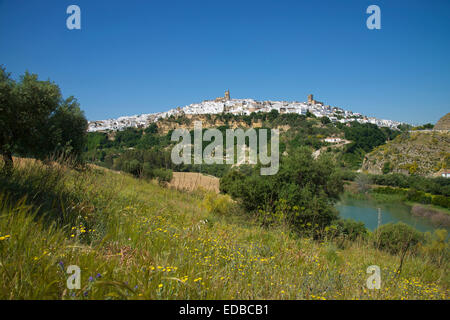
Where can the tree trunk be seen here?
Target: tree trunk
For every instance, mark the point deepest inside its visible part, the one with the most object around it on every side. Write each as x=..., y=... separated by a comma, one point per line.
x=7, y=158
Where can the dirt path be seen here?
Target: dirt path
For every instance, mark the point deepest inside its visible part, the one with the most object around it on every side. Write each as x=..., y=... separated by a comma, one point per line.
x=316, y=153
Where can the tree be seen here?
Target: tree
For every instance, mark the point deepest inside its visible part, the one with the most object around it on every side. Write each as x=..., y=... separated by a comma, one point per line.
x=325, y=120
x=7, y=101
x=35, y=120
x=302, y=192
x=66, y=129
x=363, y=183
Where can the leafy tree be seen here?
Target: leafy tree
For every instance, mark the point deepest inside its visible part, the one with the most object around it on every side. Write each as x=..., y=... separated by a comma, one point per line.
x=66, y=129
x=36, y=121
x=325, y=120
x=301, y=193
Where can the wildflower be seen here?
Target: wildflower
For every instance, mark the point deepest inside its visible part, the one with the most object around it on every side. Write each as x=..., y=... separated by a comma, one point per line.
x=160, y=285
x=98, y=275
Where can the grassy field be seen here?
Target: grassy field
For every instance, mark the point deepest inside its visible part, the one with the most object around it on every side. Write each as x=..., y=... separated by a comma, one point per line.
x=133, y=239
x=190, y=181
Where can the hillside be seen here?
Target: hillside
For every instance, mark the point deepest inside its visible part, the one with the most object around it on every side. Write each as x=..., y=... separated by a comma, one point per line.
x=226, y=105
x=425, y=153
x=116, y=149
x=133, y=239
x=443, y=123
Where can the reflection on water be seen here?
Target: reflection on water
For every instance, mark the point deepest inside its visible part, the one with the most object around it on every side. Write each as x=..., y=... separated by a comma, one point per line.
x=366, y=211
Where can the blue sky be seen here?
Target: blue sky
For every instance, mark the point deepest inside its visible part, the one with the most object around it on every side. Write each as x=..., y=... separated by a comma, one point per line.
x=133, y=57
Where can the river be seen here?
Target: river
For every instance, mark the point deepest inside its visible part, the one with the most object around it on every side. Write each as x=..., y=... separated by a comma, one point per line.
x=366, y=211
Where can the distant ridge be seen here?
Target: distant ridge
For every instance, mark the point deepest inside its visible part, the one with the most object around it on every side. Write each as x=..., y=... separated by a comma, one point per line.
x=242, y=107
x=443, y=123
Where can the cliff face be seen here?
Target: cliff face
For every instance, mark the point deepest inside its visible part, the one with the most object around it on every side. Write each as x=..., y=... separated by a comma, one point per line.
x=443, y=123
x=208, y=121
x=425, y=153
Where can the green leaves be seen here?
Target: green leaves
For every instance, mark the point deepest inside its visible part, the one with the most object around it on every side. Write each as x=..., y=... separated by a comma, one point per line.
x=36, y=121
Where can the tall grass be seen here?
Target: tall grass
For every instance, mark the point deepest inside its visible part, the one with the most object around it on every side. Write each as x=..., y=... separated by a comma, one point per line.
x=135, y=240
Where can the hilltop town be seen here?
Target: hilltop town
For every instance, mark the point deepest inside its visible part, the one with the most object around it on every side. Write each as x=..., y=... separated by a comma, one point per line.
x=242, y=107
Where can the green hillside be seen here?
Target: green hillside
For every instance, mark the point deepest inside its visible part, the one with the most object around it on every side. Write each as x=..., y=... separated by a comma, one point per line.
x=133, y=149
x=133, y=239
x=422, y=152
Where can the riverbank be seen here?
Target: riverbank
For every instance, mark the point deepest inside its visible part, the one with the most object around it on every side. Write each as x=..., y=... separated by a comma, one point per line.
x=438, y=216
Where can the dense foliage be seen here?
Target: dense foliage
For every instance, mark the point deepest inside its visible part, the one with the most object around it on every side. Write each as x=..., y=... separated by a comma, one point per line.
x=301, y=193
x=36, y=121
x=438, y=186
x=397, y=237
x=364, y=138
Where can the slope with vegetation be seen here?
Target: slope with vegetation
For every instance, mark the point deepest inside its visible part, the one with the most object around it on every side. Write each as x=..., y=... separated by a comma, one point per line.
x=443, y=123
x=141, y=150
x=415, y=152
x=133, y=239
x=267, y=237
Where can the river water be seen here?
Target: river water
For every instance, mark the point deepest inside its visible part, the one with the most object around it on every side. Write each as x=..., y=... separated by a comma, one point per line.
x=366, y=211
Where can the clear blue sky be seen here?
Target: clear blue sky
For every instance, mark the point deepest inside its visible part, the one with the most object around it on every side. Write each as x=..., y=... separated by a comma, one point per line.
x=133, y=57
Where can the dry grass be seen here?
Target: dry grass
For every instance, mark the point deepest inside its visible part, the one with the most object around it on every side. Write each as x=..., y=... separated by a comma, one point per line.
x=190, y=181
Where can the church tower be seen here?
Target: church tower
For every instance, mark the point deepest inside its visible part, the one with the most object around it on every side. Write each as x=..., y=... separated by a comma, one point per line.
x=227, y=95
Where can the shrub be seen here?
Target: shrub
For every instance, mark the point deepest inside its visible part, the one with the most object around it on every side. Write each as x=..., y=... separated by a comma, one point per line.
x=442, y=201
x=437, y=247
x=302, y=193
x=418, y=196
x=387, y=167
x=389, y=190
x=163, y=175
x=351, y=229
x=217, y=203
x=394, y=238
x=363, y=182
x=147, y=170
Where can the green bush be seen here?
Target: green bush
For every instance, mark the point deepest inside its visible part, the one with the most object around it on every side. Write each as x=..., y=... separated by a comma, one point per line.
x=394, y=238
x=387, y=167
x=389, y=190
x=437, y=247
x=217, y=203
x=302, y=193
x=442, y=201
x=163, y=175
x=418, y=196
x=351, y=229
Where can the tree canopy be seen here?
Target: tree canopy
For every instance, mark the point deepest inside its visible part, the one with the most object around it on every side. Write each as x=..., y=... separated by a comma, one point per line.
x=36, y=121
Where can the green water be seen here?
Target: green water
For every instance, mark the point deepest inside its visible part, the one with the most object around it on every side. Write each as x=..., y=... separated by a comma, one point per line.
x=367, y=212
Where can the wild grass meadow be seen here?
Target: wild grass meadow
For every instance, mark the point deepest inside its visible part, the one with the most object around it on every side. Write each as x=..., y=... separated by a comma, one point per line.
x=134, y=239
